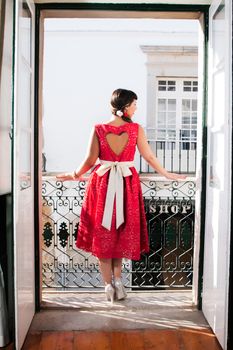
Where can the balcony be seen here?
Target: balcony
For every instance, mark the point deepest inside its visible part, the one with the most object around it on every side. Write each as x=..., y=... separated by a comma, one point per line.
x=175, y=156
x=169, y=207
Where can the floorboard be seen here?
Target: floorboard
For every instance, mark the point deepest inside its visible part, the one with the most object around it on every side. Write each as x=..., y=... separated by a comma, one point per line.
x=180, y=339
x=145, y=321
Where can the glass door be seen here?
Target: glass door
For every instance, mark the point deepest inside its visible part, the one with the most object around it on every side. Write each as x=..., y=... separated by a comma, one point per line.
x=217, y=226
x=23, y=171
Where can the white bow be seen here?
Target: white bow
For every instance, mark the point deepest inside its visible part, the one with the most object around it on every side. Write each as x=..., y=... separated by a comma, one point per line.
x=118, y=170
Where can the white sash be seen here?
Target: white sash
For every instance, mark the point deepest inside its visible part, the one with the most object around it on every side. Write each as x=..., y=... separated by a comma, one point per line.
x=118, y=170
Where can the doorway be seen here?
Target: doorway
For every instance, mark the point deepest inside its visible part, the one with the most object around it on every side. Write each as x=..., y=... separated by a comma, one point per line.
x=66, y=230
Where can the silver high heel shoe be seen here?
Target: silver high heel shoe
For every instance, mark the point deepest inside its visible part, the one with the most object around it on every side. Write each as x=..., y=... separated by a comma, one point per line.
x=119, y=289
x=110, y=292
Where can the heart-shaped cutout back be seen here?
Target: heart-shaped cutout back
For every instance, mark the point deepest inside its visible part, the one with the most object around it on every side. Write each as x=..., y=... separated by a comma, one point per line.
x=117, y=142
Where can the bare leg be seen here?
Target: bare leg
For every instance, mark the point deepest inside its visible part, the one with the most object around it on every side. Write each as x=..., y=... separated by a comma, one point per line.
x=116, y=268
x=119, y=288
x=106, y=270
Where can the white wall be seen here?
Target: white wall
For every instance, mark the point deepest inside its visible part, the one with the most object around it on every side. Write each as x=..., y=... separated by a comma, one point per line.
x=84, y=61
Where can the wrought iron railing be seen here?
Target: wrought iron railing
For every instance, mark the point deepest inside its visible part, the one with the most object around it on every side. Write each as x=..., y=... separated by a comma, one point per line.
x=175, y=156
x=169, y=209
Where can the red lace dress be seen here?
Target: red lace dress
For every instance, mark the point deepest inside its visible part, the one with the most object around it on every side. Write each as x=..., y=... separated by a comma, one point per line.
x=131, y=238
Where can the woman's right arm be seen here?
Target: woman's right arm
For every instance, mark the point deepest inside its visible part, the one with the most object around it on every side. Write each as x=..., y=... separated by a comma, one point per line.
x=89, y=161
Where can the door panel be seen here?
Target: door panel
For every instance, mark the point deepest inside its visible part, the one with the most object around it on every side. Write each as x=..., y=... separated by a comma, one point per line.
x=6, y=29
x=23, y=172
x=217, y=228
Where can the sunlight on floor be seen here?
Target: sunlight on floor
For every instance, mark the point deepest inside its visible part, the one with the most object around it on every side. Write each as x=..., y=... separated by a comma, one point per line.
x=80, y=311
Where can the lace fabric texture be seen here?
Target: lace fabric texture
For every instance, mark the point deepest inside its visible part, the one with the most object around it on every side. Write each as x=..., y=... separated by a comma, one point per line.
x=131, y=238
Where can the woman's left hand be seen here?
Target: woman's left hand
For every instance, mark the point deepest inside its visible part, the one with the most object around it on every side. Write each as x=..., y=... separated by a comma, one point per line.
x=174, y=176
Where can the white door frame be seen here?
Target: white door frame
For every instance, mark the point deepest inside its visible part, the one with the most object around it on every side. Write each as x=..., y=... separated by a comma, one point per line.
x=23, y=168
x=218, y=186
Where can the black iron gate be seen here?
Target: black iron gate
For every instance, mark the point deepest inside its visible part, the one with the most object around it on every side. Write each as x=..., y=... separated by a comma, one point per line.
x=170, y=208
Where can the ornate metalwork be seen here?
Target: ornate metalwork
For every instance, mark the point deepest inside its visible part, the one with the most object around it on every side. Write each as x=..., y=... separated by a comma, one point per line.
x=48, y=234
x=169, y=209
x=169, y=263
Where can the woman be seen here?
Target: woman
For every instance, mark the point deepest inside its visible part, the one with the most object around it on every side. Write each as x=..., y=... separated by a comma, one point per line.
x=112, y=222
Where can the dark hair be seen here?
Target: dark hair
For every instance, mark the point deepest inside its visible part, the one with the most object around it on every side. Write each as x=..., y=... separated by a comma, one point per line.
x=120, y=99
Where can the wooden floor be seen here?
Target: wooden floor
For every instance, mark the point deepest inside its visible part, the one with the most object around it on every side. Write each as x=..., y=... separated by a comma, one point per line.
x=176, y=339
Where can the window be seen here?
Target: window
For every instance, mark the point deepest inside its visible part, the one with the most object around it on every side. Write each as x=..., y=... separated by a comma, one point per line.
x=190, y=85
x=188, y=134
x=167, y=85
x=176, y=123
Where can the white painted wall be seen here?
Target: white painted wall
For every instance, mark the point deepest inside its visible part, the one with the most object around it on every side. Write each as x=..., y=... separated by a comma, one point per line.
x=84, y=61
